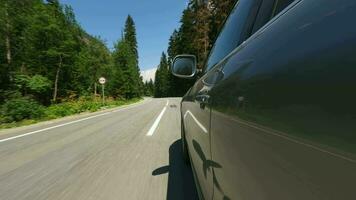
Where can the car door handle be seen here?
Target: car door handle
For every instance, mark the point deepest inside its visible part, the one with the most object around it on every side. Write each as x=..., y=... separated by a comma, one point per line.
x=202, y=99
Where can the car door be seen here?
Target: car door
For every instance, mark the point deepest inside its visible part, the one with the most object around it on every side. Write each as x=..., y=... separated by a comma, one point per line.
x=283, y=115
x=196, y=105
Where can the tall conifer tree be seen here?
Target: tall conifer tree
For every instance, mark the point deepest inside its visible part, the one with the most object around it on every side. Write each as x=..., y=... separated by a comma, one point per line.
x=131, y=40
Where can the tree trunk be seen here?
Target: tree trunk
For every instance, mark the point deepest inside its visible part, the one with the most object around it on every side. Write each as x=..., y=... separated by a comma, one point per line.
x=95, y=79
x=8, y=48
x=7, y=39
x=23, y=68
x=56, y=79
x=95, y=93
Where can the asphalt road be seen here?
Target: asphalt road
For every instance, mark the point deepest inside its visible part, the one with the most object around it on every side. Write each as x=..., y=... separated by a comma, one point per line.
x=127, y=153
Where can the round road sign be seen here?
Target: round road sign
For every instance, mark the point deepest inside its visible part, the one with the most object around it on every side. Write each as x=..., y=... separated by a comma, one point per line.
x=102, y=80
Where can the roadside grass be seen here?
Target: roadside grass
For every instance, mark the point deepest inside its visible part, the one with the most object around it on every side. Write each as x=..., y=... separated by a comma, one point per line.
x=66, y=109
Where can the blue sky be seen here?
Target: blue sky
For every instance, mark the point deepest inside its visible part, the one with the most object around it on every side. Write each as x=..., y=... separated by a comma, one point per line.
x=155, y=21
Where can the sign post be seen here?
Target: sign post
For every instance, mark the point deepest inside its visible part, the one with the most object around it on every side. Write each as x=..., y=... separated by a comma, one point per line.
x=102, y=81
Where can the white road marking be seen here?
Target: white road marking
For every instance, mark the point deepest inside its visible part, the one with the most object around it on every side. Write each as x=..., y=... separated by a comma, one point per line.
x=52, y=127
x=196, y=121
x=65, y=124
x=155, y=124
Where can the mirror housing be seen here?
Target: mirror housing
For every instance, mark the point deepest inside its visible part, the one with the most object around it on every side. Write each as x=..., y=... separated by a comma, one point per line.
x=184, y=66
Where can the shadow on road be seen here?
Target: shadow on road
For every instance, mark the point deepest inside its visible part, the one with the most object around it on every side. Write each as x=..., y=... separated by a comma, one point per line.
x=180, y=178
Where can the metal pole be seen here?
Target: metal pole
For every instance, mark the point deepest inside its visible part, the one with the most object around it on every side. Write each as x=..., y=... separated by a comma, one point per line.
x=103, y=88
x=94, y=90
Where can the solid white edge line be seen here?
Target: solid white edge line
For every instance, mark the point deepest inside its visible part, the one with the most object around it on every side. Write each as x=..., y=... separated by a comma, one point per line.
x=52, y=127
x=65, y=124
x=158, y=119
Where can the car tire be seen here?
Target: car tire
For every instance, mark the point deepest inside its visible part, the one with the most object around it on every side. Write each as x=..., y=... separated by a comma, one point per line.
x=185, y=153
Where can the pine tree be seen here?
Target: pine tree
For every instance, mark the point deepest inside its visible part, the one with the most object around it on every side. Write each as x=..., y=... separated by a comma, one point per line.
x=164, y=75
x=130, y=35
x=124, y=60
x=158, y=83
x=162, y=78
x=130, y=39
x=150, y=86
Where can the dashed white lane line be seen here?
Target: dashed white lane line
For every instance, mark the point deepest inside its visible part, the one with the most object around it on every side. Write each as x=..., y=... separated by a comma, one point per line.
x=155, y=124
x=65, y=124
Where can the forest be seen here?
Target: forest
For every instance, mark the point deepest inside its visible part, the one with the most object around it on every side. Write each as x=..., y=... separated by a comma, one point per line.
x=49, y=65
x=200, y=25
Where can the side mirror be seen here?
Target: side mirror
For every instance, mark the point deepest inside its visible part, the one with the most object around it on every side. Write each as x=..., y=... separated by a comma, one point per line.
x=184, y=66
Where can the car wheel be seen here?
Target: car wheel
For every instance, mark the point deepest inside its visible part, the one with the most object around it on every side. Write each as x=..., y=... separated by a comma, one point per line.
x=185, y=153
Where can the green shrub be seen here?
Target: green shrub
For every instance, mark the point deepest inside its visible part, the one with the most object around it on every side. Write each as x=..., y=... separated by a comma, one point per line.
x=2, y=119
x=21, y=81
x=21, y=108
x=89, y=106
x=39, y=84
x=70, y=108
x=59, y=110
x=24, y=110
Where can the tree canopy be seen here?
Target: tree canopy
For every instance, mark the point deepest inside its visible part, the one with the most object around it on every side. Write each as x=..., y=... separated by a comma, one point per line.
x=200, y=24
x=46, y=57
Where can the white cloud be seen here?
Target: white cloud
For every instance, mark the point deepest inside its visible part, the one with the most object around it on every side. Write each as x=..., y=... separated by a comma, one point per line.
x=148, y=74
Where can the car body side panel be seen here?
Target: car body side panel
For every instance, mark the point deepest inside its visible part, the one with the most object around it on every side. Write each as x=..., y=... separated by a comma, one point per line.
x=196, y=124
x=283, y=122
x=196, y=115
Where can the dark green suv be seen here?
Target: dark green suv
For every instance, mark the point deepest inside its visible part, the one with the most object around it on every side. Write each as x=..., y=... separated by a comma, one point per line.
x=273, y=114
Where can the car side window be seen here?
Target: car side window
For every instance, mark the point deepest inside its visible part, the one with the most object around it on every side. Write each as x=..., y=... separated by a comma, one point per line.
x=268, y=10
x=280, y=5
x=231, y=35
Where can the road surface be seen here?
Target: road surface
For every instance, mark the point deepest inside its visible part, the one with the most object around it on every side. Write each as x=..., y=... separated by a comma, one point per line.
x=127, y=153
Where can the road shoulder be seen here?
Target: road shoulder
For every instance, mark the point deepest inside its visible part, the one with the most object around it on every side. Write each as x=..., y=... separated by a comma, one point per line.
x=54, y=122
